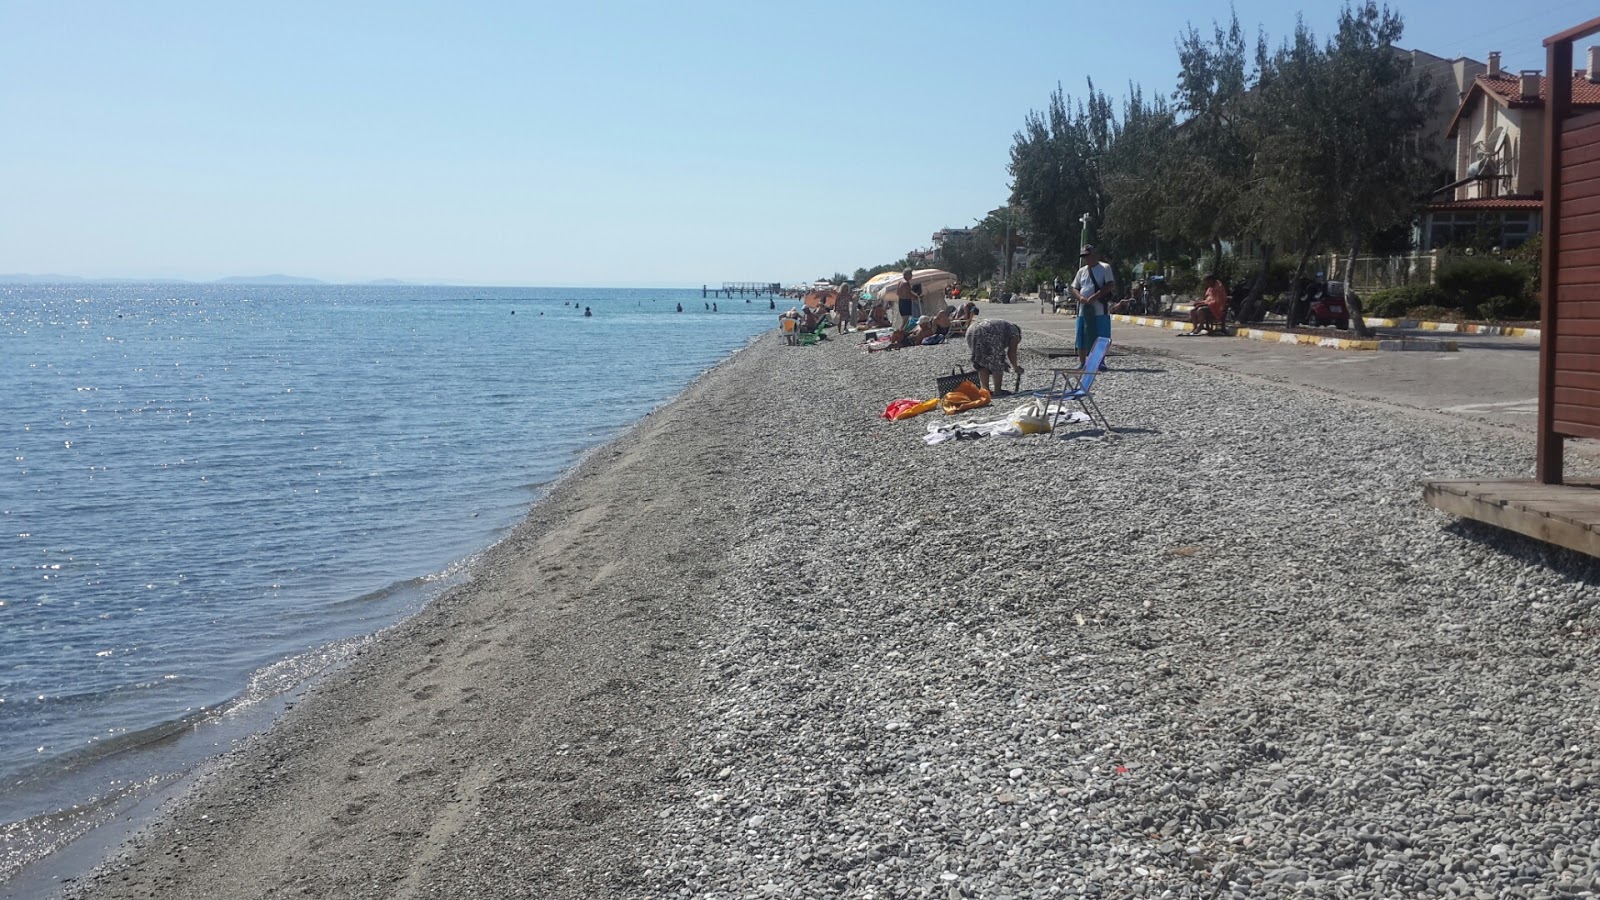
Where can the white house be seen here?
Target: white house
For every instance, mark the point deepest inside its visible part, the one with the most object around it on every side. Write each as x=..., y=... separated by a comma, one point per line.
x=1499, y=141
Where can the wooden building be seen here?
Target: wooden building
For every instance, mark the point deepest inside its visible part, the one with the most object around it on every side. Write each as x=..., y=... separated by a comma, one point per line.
x=1549, y=507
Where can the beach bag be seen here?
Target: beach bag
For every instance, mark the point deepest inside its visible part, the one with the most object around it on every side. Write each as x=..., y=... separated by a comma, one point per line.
x=1032, y=417
x=947, y=383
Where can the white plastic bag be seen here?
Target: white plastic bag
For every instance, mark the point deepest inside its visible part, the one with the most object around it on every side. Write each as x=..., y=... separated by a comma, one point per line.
x=1032, y=417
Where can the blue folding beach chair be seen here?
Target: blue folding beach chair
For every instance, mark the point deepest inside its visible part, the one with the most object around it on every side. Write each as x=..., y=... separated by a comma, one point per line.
x=1078, y=385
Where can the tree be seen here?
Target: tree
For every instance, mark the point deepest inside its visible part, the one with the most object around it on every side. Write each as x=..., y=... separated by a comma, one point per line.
x=1375, y=174
x=1057, y=170
x=970, y=257
x=1143, y=140
x=1210, y=171
x=1286, y=204
x=1003, y=229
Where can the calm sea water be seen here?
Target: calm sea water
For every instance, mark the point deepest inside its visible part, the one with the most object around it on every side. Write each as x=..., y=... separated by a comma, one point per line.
x=209, y=493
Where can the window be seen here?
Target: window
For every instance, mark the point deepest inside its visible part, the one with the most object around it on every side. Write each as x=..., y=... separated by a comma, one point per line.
x=1516, y=228
x=1481, y=229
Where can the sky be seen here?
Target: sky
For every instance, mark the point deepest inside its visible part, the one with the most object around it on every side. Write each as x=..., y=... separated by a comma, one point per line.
x=598, y=142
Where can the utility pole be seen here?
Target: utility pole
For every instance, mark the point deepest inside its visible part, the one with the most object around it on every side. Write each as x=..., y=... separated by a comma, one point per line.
x=1005, y=258
x=1083, y=236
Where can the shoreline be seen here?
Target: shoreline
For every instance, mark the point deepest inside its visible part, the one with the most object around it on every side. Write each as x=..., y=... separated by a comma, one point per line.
x=769, y=644
x=171, y=793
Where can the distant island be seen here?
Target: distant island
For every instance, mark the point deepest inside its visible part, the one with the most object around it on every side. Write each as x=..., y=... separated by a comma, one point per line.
x=268, y=279
x=23, y=278
x=52, y=278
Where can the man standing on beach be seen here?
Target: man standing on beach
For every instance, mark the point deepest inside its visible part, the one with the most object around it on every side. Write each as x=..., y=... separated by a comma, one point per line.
x=907, y=298
x=1093, y=287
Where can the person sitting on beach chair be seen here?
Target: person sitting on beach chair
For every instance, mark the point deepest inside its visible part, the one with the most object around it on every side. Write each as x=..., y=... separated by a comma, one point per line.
x=789, y=324
x=815, y=321
x=931, y=329
x=1210, y=314
x=879, y=317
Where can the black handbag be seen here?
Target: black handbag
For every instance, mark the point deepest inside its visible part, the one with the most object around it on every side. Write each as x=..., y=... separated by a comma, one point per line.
x=947, y=383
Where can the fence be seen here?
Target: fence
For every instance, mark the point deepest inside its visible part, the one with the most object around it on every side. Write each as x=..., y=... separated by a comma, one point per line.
x=1375, y=273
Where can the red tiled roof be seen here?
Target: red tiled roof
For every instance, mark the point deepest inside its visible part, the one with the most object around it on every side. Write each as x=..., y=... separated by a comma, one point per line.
x=1487, y=204
x=1509, y=86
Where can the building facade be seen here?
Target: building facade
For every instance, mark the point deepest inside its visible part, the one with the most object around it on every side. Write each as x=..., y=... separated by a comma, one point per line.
x=1498, y=133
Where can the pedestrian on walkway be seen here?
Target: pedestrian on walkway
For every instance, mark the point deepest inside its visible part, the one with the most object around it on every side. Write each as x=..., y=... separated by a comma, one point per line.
x=1093, y=287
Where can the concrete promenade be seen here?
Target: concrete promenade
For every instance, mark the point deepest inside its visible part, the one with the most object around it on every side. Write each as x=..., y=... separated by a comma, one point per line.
x=1492, y=379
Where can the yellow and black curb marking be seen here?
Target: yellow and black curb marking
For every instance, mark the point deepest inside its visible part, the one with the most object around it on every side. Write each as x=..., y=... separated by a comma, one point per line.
x=1310, y=340
x=1456, y=327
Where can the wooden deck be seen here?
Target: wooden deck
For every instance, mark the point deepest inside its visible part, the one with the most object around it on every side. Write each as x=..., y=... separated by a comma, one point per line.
x=1567, y=515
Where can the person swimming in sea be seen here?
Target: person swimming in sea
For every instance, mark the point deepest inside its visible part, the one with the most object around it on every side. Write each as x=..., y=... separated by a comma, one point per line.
x=587, y=312
x=680, y=307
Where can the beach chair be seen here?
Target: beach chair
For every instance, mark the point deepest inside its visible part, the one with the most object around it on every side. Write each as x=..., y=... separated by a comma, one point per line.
x=1077, y=385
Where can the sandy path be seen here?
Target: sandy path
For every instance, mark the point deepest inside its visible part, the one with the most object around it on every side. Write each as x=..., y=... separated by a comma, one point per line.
x=515, y=737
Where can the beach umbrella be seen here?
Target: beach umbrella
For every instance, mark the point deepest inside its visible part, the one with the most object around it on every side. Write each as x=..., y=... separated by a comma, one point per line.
x=933, y=282
x=872, y=287
x=815, y=299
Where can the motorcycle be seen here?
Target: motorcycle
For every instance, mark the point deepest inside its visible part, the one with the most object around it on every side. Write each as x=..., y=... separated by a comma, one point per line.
x=1323, y=304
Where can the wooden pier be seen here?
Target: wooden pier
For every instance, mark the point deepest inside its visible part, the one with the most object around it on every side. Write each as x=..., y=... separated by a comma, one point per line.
x=1567, y=515
x=729, y=288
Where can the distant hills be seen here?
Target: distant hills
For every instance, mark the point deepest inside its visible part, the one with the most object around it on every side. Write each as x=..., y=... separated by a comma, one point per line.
x=26, y=278
x=267, y=279
x=17, y=278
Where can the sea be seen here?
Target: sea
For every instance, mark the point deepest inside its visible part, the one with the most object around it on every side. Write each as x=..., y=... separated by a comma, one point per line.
x=212, y=494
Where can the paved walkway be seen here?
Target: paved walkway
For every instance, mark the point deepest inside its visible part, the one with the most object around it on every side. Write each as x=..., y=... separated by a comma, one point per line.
x=1492, y=379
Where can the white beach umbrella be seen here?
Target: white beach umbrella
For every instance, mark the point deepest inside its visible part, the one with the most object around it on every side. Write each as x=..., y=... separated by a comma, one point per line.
x=885, y=284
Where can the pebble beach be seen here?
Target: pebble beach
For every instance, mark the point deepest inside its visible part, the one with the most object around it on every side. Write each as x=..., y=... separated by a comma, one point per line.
x=769, y=644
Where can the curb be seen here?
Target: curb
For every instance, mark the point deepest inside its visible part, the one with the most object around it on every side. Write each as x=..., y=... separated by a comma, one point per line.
x=1283, y=337
x=1152, y=322
x=1456, y=327
x=1309, y=340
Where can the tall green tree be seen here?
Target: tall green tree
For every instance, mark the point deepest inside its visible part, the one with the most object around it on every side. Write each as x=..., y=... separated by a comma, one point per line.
x=1209, y=171
x=1375, y=173
x=1143, y=139
x=1285, y=206
x=1057, y=170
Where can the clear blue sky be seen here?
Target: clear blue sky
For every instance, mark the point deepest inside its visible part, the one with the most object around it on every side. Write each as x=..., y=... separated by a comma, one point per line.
x=589, y=142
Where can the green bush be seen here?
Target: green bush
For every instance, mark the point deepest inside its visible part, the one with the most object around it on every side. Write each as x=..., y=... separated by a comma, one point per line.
x=1394, y=303
x=1183, y=281
x=1508, y=309
x=1529, y=256
x=1472, y=280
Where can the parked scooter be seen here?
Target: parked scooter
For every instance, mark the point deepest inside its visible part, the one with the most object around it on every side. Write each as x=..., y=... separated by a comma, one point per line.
x=1322, y=303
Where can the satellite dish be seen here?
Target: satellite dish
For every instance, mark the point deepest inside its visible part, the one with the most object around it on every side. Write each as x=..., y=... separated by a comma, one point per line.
x=1496, y=143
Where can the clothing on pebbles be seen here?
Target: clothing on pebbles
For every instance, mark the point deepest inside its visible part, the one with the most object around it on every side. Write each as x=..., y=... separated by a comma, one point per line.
x=1227, y=654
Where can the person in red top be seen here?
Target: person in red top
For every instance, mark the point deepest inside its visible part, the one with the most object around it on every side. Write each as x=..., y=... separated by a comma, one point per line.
x=1212, y=309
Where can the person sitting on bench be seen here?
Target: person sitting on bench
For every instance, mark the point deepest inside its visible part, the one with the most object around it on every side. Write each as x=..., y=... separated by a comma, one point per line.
x=1209, y=314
